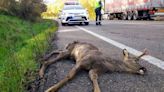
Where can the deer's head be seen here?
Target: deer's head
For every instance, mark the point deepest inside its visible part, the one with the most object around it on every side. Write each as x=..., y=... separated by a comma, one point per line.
x=71, y=45
x=132, y=62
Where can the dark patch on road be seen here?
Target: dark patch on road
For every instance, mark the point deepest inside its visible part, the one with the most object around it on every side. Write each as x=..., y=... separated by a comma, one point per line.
x=114, y=33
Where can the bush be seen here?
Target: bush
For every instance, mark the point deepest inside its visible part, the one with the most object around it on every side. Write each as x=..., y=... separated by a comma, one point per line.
x=31, y=9
x=26, y=9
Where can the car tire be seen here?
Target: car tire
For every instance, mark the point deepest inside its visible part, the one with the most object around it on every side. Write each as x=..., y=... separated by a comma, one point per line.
x=63, y=24
x=86, y=23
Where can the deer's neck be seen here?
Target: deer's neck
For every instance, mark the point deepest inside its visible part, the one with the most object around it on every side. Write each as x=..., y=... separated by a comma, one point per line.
x=116, y=65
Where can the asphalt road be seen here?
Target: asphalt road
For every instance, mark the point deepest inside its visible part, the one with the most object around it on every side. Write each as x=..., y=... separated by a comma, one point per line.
x=135, y=34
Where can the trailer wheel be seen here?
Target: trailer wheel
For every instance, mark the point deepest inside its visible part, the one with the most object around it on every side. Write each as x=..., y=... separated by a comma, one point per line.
x=130, y=16
x=110, y=17
x=135, y=15
x=124, y=16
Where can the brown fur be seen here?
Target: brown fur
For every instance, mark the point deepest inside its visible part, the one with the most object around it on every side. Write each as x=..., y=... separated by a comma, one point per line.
x=88, y=57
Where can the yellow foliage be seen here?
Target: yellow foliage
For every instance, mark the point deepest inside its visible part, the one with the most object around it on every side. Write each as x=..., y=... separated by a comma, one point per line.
x=89, y=5
x=53, y=9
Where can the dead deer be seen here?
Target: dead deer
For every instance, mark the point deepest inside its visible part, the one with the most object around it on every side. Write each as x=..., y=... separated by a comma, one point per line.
x=88, y=56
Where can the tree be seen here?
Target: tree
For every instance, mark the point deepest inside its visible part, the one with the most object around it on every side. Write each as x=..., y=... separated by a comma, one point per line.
x=7, y=5
x=26, y=9
x=31, y=9
x=90, y=6
x=53, y=9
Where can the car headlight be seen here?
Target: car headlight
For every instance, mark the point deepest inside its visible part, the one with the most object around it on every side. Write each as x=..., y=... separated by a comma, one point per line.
x=63, y=13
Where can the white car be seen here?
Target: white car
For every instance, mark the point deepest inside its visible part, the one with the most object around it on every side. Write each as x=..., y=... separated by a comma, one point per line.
x=74, y=14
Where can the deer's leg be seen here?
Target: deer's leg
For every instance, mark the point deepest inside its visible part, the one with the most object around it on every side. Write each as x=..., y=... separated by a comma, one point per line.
x=94, y=77
x=50, y=54
x=65, y=80
x=61, y=55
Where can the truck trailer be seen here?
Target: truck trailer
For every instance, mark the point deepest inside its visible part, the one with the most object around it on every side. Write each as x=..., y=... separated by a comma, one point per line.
x=134, y=9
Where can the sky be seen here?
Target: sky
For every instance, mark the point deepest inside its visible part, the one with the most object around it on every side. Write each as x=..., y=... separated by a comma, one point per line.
x=49, y=1
x=52, y=1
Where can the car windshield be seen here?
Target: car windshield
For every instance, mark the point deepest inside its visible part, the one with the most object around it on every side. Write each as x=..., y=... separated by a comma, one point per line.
x=70, y=7
x=71, y=3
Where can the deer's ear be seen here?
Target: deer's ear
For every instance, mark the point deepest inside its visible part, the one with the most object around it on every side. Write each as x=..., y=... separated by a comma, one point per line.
x=125, y=53
x=145, y=52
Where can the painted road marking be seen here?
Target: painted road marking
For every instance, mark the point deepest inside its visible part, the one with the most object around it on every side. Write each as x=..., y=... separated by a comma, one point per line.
x=68, y=30
x=155, y=61
x=137, y=22
x=144, y=24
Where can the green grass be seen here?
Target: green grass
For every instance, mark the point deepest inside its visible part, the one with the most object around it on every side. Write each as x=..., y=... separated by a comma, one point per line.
x=20, y=43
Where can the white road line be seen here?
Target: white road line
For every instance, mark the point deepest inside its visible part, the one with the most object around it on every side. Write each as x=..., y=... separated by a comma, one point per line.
x=129, y=23
x=145, y=23
x=68, y=30
x=155, y=61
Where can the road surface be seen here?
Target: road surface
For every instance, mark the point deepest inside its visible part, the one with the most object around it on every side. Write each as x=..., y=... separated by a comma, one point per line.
x=111, y=38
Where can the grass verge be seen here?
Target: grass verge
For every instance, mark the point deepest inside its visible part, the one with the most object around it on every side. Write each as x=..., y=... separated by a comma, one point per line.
x=20, y=43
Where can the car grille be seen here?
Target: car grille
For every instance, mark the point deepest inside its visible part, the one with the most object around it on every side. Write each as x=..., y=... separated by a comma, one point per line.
x=75, y=13
x=71, y=18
